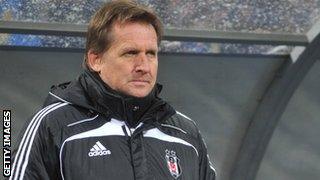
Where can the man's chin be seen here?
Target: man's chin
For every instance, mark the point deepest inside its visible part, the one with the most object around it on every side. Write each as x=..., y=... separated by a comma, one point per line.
x=139, y=93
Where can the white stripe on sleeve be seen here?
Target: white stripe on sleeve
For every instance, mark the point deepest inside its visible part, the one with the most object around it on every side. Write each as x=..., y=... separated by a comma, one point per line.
x=22, y=158
x=23, y=142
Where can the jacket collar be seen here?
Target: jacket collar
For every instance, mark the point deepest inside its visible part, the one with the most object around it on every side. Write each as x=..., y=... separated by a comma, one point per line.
x=90, y=92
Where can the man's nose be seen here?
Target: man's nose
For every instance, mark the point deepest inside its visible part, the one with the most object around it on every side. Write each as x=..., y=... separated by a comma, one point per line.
x=142, y=63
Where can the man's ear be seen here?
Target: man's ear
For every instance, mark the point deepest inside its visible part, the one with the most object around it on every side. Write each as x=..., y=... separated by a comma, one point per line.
x=94, y=61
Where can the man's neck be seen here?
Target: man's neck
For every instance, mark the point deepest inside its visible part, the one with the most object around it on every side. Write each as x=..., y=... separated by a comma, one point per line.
x=128, y=108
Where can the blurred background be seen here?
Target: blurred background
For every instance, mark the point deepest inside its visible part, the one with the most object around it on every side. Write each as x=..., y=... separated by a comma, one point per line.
x=247, y=72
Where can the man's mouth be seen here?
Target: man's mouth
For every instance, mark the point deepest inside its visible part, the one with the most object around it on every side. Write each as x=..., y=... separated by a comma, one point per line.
x=140, y=82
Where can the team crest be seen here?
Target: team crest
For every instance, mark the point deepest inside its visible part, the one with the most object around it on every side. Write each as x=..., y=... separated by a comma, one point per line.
x=173, y=163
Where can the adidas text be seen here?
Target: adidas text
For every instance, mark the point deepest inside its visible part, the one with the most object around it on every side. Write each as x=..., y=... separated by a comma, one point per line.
x=99, y=153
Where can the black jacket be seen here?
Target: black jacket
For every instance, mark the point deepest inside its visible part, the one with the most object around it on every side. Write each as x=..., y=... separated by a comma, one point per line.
x=88, y=131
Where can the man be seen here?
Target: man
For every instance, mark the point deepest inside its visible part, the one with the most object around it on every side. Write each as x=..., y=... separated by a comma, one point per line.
x=110, y=122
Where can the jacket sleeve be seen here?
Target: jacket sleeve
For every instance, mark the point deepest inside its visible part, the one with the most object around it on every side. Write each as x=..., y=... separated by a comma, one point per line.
x=34, y=157
x=207, y=171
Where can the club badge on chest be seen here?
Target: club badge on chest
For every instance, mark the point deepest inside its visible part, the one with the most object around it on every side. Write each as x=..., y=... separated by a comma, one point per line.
x=173, y=163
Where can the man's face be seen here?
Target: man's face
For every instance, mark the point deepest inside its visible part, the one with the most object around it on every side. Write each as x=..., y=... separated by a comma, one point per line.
x=130, y=64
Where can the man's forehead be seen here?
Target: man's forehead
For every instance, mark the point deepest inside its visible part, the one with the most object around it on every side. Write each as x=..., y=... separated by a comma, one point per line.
x=119, y=27
x=133, y=32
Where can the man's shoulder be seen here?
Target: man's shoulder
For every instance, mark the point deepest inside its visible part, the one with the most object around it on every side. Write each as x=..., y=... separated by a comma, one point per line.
x=183, y=122
x=65, y=103
x=60, y=114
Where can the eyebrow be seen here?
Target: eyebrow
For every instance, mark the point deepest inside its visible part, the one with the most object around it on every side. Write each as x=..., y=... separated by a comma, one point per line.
x=130, y=48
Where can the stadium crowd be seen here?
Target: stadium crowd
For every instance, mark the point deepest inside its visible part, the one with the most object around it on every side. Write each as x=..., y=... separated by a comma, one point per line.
x=287, y=16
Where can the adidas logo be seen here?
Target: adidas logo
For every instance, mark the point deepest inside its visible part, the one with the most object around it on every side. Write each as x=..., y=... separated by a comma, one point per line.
x=98, y=150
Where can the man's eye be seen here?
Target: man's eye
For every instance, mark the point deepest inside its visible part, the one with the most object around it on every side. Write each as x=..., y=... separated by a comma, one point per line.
x=130, y=53
x=151, y=54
